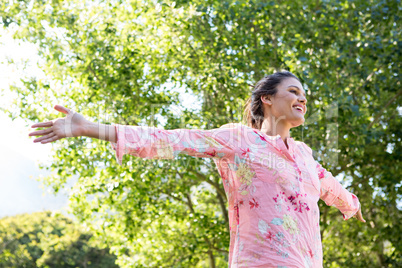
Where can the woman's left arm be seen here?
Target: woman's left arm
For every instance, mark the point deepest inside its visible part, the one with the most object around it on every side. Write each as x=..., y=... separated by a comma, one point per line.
x=335, y=195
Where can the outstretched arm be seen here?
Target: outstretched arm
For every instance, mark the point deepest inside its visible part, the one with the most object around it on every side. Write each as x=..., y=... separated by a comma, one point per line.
x=145, y=142
x=72, y=125
x=334, y=194
x=154, y=143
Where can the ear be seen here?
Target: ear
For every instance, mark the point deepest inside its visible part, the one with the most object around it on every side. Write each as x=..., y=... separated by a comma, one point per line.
x=266, y=99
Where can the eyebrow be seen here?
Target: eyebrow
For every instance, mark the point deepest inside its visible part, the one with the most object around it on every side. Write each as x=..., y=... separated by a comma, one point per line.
x=298, y=89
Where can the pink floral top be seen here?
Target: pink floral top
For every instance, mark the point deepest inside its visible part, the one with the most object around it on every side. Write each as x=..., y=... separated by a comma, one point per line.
x=272, y=190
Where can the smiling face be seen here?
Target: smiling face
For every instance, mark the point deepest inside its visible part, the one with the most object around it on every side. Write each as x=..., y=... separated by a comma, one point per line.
x=288, y=105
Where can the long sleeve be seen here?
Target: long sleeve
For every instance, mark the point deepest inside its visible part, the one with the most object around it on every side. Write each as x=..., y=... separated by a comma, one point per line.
x=150, y=142
x=335, y=195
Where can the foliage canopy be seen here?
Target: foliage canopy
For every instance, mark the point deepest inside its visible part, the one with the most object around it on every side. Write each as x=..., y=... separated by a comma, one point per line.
x=127, y=61
x=45, y=240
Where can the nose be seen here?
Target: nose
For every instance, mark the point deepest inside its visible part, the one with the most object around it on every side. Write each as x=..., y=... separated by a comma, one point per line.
x=302, y=99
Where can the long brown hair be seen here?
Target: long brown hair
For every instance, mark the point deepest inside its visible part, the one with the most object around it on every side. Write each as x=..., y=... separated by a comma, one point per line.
x=254, y=112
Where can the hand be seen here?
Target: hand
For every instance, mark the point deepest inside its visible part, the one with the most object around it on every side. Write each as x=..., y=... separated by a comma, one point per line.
x=73, y=125
x=359, y=216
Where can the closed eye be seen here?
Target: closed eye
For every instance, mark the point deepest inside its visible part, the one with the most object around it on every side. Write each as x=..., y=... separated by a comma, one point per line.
x=296, y=90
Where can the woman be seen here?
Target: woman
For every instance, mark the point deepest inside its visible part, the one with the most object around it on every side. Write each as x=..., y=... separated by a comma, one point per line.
x=272, y=182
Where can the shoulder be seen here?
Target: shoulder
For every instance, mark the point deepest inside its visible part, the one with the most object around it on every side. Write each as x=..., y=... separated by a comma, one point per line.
x=237, y=128
x=304, y=147
x=232, y=125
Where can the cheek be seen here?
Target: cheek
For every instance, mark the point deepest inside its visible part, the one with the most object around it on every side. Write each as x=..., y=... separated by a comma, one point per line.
x=282, y=104
x=281, y=110
x=290, y=98
x=285, y=103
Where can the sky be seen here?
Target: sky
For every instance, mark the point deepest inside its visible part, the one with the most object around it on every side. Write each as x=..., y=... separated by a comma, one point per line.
x=20, y=191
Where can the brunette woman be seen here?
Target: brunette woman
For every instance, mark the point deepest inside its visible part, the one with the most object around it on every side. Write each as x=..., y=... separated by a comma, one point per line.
x=272, y=182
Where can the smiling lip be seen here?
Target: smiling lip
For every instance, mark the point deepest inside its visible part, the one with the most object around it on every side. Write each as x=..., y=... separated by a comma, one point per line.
x=299, y=108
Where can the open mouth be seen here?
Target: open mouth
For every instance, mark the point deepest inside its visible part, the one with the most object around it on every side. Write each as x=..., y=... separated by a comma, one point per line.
x=299, y=108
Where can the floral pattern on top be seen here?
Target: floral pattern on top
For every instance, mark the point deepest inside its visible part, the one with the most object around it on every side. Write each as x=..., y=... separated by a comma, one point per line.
x=272, y=189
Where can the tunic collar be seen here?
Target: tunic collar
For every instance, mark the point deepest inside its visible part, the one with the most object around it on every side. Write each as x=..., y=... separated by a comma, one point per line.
x=279, y=144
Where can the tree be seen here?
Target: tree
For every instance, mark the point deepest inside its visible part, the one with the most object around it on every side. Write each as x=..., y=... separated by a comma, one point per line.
x=117, y=61
x=46, y=239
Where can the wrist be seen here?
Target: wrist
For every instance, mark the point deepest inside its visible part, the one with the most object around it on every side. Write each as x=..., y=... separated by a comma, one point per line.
x=99, y=131
x=87, y=129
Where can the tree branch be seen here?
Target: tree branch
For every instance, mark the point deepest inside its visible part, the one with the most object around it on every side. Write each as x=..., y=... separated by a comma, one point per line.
x=224, y=210
x=210, y=253
x=210, y=246
x=175, y=197
x=202, y=177
x=368, y=78
x=383, y=108
x=222, y=203
x=220, y=250
x=190, y=203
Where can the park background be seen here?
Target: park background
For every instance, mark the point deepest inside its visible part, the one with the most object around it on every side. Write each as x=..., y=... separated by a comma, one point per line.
x=175, y=64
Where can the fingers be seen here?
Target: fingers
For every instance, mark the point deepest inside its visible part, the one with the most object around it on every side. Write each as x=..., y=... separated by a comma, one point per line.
x=50, y=123
x=359, y=216
x=62, y=109
x=48, y=136
x=43, y=124
x=41, y=132
x=52, y=139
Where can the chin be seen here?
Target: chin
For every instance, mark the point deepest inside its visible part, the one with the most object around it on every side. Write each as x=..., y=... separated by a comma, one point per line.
x=298, y=122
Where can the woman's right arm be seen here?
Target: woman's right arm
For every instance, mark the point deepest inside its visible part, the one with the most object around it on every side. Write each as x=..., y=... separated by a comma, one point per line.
x=150, y=142
x=145, y=142
x=73, y=125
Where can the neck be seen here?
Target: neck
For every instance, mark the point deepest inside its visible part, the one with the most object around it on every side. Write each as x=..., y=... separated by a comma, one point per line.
x=275, y=126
